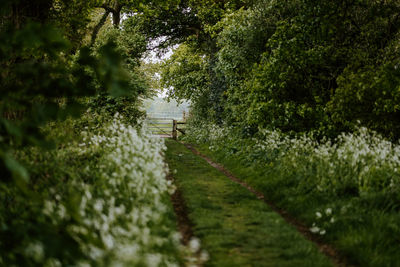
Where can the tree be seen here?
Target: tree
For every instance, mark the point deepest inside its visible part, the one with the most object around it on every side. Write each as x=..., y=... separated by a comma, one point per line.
x=298, y=65
x=45, y=76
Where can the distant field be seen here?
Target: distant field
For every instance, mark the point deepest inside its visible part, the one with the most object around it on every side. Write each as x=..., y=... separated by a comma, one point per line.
x=161, y=108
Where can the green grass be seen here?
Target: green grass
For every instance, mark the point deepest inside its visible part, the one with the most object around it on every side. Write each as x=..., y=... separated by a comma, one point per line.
x=234, y=226
x=363, y=232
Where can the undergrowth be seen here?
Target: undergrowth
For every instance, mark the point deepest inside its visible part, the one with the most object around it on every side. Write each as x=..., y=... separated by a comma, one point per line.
x=346, y=190
x=99, y=199
x=234, y=226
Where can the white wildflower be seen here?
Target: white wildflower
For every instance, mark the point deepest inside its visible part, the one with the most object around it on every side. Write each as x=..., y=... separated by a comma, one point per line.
x=204, y=256
x=98, y=205
x=314, y=229
x=153, y=260
x=35, y=251
x=194, y=244
x=328, y=211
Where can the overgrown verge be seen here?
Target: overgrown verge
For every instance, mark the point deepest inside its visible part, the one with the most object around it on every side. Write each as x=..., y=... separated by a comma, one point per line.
x=100, y=199
x=347, y=191
x=234, y=226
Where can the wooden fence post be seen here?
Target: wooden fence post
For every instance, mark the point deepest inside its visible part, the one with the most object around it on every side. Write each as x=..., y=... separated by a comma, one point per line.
x=174, y=131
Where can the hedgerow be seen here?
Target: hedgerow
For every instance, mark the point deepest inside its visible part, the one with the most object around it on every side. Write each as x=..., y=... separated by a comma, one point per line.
x=102, y=199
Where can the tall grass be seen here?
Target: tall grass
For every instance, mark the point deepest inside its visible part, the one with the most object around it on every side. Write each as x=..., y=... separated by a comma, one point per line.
x=354, y=163
x=346, y=190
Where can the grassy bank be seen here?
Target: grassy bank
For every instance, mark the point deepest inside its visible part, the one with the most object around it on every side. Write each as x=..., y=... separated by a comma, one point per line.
x=347, y=192
x=234, y=226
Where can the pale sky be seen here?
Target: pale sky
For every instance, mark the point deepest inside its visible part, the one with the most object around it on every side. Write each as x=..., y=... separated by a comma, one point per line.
x=152, y=56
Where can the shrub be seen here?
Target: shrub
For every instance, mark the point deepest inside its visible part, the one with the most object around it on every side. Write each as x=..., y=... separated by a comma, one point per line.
x=100, y=200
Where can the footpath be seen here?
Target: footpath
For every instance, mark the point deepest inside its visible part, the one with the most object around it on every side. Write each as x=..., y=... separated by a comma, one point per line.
x=233, y=222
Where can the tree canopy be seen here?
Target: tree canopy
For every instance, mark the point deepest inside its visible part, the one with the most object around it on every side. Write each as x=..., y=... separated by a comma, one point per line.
x=297, y=65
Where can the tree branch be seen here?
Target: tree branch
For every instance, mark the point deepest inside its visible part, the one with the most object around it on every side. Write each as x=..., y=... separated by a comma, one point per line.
x=115, y=9
x=98, y=26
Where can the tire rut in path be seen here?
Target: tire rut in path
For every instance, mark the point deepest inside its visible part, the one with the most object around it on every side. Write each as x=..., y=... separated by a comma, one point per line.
x=184, y=224
x=326, y=249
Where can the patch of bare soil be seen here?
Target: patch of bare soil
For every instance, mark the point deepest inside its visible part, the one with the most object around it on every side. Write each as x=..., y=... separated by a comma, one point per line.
x=327, y=249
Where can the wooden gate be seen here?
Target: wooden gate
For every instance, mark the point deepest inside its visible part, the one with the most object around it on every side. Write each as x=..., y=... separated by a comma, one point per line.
x=165, y=127
x=160, y=126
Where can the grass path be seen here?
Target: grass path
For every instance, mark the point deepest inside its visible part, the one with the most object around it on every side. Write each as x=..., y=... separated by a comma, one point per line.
x=235, y=227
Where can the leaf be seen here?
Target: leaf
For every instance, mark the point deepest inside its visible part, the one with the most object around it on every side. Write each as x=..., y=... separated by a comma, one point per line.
x=11, y=128
x=18, y=171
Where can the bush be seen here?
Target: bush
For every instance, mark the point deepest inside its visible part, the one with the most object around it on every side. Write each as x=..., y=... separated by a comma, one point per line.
x=100, y=200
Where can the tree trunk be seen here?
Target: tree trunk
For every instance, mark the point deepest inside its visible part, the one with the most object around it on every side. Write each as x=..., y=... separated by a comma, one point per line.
x=116, y=15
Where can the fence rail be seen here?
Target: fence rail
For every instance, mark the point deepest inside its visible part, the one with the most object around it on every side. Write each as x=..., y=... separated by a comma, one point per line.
x=165, y=127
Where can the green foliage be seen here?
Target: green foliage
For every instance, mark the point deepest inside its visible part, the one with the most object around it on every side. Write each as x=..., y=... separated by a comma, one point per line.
x=42, y=79
x=100, y=198
x=301, y=65
x=227, y=217
x=36, y=84
x=346, y=190
x=130, y=43
x=186, y=74
x=90, y=199
x=41, y=83
x=168, y=22
x=72, y=16
x=47, y=78
x=128, y=46
x=192, y=23
x=242, y=41
x=69, y=16
x=187, y=77
x=369, y=96
x=176, y=21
